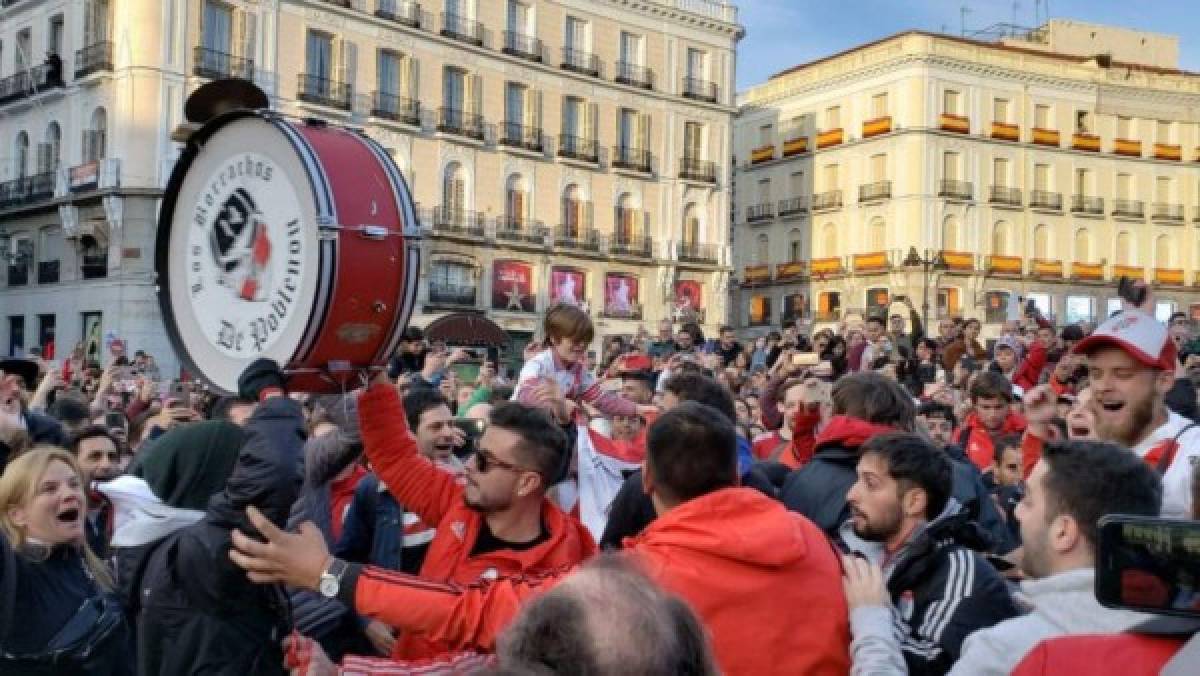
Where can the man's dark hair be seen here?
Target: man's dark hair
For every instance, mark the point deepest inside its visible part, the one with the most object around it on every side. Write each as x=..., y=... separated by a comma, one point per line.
x=417, y=401
x=991, y=385
x=1088, y=479
x=1072, y=332
x=700, y=388
x=915, y=463
x=544, y=444
x=930, y=344
x=692, y=451
x=70, y=410
x=875, y=399
x=608, y=619
x=1004, y=443
x=221, y=406
x=92, y=432
x=936, y=409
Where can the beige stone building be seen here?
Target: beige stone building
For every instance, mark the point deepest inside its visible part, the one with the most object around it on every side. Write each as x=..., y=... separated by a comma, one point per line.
x=557, y=149
x=1044, y=165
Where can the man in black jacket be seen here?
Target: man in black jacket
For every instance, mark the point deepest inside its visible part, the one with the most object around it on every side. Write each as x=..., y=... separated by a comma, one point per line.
x=200, y=615
x=864, y=405
x=905, y=521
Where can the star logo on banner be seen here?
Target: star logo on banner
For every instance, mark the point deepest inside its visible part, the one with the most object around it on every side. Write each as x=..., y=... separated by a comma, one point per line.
x=515, y=298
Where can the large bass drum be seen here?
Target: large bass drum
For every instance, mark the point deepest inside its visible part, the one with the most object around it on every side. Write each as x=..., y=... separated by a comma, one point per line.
x=289, y=240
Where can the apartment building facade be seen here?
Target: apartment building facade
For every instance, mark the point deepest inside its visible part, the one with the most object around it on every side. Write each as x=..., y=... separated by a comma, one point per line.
x=557, y=150
x=961, y=173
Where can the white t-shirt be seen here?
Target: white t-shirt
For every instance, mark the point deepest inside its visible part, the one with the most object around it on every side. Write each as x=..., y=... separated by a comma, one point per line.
x=1177, y=481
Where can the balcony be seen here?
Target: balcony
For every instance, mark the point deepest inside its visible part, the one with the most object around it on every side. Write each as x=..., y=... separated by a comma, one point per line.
x=756, y=275
x=1082, y=204
x=999, y=194
x=1005, y=131
x=1168, y=276
x=760, y=212
x=1134, y=272
x=578, y=148
x=762, y=154
x=631, y=245
x=324, y=92
x=1085, y=141
x=959, y=124
x=953, y=189
x=521, y=230
x=460, y=123
x=824, y=201
x=797, y=145
x=1005, y=265
x=441, y=293
x=872, y=192
x=94, y=266
x=1165, y=151
x=462, y=28
x=1043, y=199
x=696, y=252
x=790, y=270
x=1088, y=272
x=396, y=108
x=703, y=171
x=829, y=138
x=1162, y=211
x=1047, y=269
x=579, y=61
x=1129, y=208
x=94, y=58
x=957, y=261
x=792, y=206
x=18, y=275
x=632, y=159
x=635, y=75
x=578, y=238
x=1046, y=137
x=47, y=272
x=525, y=46
x=28, y=190
x=876, y=261
x=701, y=90
x=29, y=82
x=877, y=126
x=451, y=220
x=401, y=11
x=216, y=65
x=822, y=267
x=521, y=136
x=1127, y=147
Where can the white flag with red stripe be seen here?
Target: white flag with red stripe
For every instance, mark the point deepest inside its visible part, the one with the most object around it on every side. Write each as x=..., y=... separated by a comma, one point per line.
x=601, y=473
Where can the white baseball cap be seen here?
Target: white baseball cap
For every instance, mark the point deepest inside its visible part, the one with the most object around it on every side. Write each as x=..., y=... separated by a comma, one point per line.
x=1141, y=336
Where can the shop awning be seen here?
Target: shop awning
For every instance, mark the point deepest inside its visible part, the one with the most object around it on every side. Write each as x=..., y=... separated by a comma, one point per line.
x=467, y=330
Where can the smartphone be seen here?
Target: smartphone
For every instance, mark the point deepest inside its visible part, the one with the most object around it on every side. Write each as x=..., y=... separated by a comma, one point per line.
x=806, y=359
x=473, y=429
x=1128, y=290
x=114, y=420
x=1149, y=564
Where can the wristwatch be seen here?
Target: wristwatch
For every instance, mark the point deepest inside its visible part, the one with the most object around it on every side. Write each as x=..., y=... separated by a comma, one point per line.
x=331, y=580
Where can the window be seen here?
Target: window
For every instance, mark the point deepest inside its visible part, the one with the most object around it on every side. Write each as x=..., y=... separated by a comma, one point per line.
x=1000, y=172
x=626, y=128
x=948, y=302
x=766, y=135
x=1163, y=131
x=48, y=152
x=1000, y=110
x=833, y=117
x=94, y=138
x=763, y=251
x=631, y=48
x=876, y=235
x=572, y=208
x=996, y=308
x=454, y=89
x=452, y=282
x=1042, y=302
x=1113, y=306
x=454, y=192
x=1083, y=122
x=950, y=166
x=1083, y=181
x=829, y=304
x=514, y=105
x=1124, y=186
x=879, y=167
x=55, y=38
x=1041, y=116
x=388, y=72
x=1083, y=248
x=1041, y=177
x=16, y=336
x=626, y=219
x=575, y=36
x=950, y=102
x=319, y=56
x=1041, y=242
x=517, y=19
x=516, y=203
x=45, y=331
x=879, y=105
x=697, y=64
x=1001, y=239
x=1080, y=309
x=760, y=310
x=691, y=224
x=24, y=50
x=796, y=184
x=21, y=157
x=218, y=28
x=693, y=137
x=795, y=246
x=1124, y=249
x=1124, y=127
x=950, y=234
x=95, y=21
x=1163, y=256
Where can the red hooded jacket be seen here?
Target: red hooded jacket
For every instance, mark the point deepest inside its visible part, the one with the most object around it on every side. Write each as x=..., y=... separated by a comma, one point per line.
x=778, y=607
x=978, y=445
x=437, y=498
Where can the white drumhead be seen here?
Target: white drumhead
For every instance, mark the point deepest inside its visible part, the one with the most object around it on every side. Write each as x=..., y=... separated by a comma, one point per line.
x=242, y=266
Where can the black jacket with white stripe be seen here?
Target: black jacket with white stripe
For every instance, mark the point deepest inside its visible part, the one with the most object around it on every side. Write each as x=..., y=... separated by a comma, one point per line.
x=942, y=589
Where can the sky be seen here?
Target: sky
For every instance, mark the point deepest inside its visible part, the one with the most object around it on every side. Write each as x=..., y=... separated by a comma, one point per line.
x=783, y=33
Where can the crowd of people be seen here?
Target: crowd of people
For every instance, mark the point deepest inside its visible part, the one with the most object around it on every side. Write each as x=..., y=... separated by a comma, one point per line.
x=863, y=499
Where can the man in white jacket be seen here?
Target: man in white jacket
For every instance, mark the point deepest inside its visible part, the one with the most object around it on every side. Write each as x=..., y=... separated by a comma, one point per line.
x=1071, y=487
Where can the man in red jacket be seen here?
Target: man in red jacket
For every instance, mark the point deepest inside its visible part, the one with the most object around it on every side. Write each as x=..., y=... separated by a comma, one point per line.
x=990, y=418
x=764, y=581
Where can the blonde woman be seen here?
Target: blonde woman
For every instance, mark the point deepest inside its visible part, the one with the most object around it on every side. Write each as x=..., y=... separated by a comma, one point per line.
x=57, y=614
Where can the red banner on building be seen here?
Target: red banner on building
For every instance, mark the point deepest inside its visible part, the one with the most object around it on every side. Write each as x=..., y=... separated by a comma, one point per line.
x=512, y=287
x=567, y=285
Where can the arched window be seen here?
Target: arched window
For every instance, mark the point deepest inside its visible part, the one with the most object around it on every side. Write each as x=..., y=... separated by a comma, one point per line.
x=625, y=219
x=516, y=202
x=1083, y=248
x=95, y=138
x=691, y=224
x=1163, y=252
x=876, y=235
x=795, y=245
x=572, y=211
x=1041, y=242
x=50, y=150
x=1001, y=239
x=454, y=193
x=21, y=157
x=764, y=250
x=950, y=234
x=829, y=240
x=1125, y=254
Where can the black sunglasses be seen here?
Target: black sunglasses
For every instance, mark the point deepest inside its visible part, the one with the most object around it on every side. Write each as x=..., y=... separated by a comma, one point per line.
x=484, y=461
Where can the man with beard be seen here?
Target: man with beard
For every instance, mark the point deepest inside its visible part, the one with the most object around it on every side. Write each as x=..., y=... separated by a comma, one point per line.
x=99, y=458
x=904, y=520
x=1131, y=368
x=1073, y=485
x=499, y=523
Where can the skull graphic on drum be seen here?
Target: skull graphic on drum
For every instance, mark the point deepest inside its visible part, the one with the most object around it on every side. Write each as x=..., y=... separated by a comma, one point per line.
x=241, y=248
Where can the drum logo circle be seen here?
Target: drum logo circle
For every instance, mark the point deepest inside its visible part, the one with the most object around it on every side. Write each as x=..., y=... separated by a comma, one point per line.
x=245, y=256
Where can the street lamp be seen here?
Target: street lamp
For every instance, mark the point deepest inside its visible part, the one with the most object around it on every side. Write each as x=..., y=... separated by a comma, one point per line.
x=931, y=262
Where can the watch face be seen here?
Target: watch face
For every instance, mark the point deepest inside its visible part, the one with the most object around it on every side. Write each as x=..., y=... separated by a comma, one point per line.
x=329, y=586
